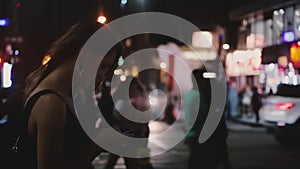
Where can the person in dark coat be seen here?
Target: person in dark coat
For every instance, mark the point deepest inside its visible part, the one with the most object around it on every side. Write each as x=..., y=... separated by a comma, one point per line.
x=213, y=152
x=256, y=103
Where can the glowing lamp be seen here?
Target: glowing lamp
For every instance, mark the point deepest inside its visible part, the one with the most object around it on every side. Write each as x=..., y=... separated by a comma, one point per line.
x=295, y=55
x=101, y=19
x=4, y=22
x=288, y=36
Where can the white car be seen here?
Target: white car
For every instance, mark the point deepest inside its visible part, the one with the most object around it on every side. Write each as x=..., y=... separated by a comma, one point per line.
x=281, y=113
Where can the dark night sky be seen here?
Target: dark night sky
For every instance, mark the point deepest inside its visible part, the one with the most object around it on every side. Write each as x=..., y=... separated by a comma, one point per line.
x=64, y=12
x=42, y=21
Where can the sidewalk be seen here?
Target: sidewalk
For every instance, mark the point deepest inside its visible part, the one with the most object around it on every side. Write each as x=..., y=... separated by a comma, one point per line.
x=246, y=120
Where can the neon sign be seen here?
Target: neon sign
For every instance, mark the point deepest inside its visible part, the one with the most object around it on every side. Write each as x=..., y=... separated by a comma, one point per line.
x=288, y=36
x=4, y=22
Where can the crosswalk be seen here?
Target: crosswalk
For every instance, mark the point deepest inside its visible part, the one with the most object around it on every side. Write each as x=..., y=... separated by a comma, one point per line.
x=175, y=158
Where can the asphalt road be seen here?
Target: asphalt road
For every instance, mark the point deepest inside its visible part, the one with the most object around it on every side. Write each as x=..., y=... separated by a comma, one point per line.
x=253, y=148
x=249, y=148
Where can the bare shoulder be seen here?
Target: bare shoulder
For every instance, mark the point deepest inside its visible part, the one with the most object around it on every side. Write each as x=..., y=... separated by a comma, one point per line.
x=49, y=109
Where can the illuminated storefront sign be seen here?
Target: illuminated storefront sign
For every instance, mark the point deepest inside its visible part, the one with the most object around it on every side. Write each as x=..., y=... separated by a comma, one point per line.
x=243, y=62
x=295, y=55
x=4, y=22
x=202, y=39
x=255, y=41
x=6, y=75
x=288, y=36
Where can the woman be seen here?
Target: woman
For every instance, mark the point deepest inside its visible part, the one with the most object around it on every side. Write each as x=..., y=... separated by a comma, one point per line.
x=55, y=138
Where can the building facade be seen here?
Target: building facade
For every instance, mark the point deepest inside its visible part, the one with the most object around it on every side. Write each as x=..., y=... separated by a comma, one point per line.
x=274, y=28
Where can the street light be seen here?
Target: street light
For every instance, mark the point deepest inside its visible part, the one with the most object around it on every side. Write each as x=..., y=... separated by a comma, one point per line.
x=124, y=2
x=163, y=65
x=4, y=22
x=226, y=46
x=101, y=19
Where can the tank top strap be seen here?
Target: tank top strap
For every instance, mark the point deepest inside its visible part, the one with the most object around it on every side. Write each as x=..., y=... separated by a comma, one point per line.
x=31, y=102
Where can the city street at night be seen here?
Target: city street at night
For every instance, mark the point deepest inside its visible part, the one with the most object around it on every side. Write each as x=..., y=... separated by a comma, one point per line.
x=149, y=84
x=249, y=148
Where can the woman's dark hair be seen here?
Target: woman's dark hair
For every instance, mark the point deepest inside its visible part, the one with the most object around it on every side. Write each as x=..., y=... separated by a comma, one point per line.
x=64, y=48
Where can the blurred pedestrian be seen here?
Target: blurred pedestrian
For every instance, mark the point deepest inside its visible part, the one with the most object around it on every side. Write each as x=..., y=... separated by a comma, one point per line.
x=169, y=117
x=138, y=97
x=233, y=98
x=256, y=103
x=13, y=103
x=213, y=152
x=13, y=110
x=2, y=113
x=54, y=137
x=246, y=100
x=104, y=89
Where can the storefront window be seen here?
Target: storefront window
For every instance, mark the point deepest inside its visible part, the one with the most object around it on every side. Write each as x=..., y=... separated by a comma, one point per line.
x=259, y=31
x=297, y=21
x=278, y=25
x=268, y=32
x=256, y=37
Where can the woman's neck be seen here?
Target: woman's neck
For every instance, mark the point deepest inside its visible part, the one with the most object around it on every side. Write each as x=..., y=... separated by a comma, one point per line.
x=59, y=80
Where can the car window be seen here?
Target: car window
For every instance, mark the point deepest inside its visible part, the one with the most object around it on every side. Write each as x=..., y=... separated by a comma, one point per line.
x=288, y=90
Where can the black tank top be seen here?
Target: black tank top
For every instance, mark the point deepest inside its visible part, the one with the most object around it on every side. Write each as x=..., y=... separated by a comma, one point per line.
x=75, y=138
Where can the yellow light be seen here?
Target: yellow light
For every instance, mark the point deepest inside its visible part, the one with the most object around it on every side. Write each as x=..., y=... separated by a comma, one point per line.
x=126, y=72
x=101, y=19
x=135, y=71
x=46, y=59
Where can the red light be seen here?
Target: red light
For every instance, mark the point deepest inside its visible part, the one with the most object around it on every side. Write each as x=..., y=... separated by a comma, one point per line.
x=285, y=106
x=18, y=5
